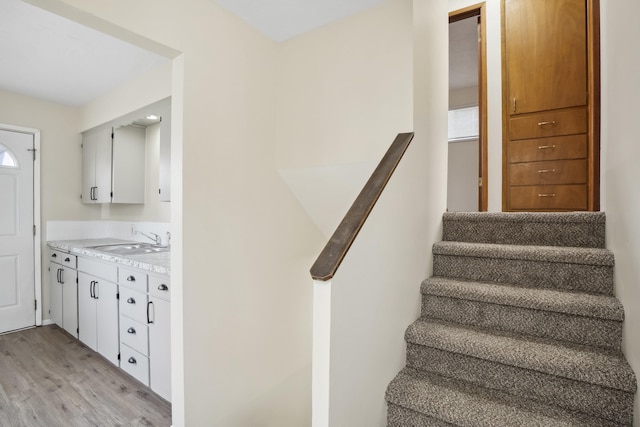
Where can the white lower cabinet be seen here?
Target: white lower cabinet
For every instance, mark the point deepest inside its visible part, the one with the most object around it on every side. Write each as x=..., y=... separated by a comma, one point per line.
x=98, y=315
x=63, y=291
x=160, y=347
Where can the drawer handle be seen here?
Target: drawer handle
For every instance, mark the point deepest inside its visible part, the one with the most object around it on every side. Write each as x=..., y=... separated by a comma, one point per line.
x=131, y=300
x=546, y=195
x=131, y=330
x=546, y=170
x=163, y=287
x=132, y=360
x=67, y=259
x=544, y=147
x=131, y=279
x=54, y=256
x=553, y=122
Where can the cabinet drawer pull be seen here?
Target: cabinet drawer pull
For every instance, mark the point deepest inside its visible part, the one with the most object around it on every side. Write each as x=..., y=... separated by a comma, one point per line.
x=67, y=259
x=131, y=279
x=544, y=147
x=163, y=287
x=553, y=122
x=131, y=330
x=131, y=300
x=546, y=195
x=54, y=255
x=546, y=170
x=132, y=360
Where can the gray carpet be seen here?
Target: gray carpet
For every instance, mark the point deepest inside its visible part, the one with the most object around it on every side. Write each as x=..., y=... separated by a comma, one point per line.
x=517, y=329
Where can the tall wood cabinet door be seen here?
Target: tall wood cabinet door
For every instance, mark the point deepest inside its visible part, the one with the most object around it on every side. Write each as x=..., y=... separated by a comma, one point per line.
x=546, y=53
x=55, y=293
x=107, y=320
x=160, y=347
x=87, y=311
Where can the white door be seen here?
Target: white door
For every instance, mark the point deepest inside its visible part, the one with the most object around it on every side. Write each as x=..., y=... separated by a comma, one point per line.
x=160, y=347
x=56, y=273
x=17, y=267
x=87, y=310
x=107, y=326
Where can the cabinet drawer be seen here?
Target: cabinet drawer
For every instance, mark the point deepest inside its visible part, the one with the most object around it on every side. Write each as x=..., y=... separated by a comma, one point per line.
x=551, y=123
x=103, y=270
x=133, y=304
x=135, y=364
x=134, y=334
x=160, y=287
x=133, y=279
x=548, y=197
x=555, y=172
x=556, y=148
x=64, y=258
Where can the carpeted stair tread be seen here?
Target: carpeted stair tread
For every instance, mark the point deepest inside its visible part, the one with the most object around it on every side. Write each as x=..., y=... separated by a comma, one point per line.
x=465, y=405
x=576, y=303
x=576, y=229
x=553, y=254
x=546, y=356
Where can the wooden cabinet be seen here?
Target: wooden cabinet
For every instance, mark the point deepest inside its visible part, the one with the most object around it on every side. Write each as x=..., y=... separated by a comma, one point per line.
x=63, y=291
x=98, y=308
x=113, y=165
x=550, y=105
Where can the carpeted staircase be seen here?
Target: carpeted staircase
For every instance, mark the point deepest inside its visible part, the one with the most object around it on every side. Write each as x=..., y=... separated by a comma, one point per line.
x=519, y=327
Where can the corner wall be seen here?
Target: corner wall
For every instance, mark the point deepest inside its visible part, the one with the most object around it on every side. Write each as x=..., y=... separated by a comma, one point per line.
x=620, y=198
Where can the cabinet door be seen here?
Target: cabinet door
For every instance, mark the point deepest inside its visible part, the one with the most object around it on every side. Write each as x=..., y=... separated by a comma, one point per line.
x=106, y=294
x=164, y=167
x=128, y=164
x=55, y=293
x=70, y=302
x=546, y=54
x=87, y=311
x=96, y=166
x=160, y=347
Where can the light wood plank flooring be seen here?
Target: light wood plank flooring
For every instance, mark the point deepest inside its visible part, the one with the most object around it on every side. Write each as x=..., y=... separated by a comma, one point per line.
x=49, y=379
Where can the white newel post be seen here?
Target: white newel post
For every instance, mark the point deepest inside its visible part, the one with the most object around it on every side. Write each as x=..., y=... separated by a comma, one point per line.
x=321, y=353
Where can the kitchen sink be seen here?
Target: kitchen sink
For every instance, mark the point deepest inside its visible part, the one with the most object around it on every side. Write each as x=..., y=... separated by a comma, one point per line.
x=131, y=248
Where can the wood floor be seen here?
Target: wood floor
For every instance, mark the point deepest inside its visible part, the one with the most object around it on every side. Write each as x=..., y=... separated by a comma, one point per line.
x=49, y=379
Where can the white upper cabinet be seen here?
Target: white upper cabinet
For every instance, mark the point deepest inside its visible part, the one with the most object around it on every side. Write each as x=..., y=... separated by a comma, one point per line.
x=128, y=164
x=165, y=154
x=96, y=166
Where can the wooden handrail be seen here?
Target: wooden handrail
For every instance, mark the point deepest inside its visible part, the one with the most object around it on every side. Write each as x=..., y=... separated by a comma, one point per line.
x=338, y=245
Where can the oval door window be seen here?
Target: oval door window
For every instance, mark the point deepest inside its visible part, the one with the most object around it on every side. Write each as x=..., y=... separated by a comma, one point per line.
x=7, y=159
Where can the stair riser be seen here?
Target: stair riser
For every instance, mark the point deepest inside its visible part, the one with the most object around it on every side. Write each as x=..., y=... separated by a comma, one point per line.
x=579, y=235
x=609, y=404
x=574, y=277
x=559, y=326
x=397, y=416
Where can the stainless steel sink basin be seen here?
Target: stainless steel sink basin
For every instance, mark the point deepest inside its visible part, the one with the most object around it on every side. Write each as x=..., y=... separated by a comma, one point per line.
x=131, y=248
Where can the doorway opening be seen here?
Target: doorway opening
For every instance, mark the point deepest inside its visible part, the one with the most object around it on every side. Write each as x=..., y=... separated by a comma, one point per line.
x=467, y=189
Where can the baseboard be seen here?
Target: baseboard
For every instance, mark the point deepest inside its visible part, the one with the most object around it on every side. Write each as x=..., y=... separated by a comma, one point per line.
x=47, y=322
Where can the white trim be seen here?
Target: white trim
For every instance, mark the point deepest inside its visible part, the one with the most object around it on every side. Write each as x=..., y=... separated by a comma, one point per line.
x=47, y=322
x=37, y=244
x=321, y=354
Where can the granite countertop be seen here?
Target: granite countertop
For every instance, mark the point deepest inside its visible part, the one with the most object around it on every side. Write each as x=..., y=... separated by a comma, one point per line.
x=155, y=262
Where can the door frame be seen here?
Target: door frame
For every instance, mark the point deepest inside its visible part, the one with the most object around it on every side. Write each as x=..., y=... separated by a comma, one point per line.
x=479, y=10
x=37, y=248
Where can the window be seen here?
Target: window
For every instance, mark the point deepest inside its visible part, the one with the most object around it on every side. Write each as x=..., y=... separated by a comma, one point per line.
x=7, y=159
x=464, y=124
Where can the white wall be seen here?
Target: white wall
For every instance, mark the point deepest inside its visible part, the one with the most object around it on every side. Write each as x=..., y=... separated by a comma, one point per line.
x=620, y=198
x=243, y=246
x=462, y=176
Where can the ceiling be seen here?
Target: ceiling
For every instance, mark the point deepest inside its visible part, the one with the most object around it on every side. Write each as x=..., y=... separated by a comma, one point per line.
x=49, y=57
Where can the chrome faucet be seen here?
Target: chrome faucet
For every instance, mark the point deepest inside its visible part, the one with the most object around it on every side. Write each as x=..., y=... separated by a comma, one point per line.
x=155, y=237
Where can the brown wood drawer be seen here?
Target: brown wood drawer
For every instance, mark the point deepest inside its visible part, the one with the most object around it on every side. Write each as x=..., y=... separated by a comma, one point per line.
x=548, y=197
x=550, y=123
x=553, y=172
x=556, y=148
